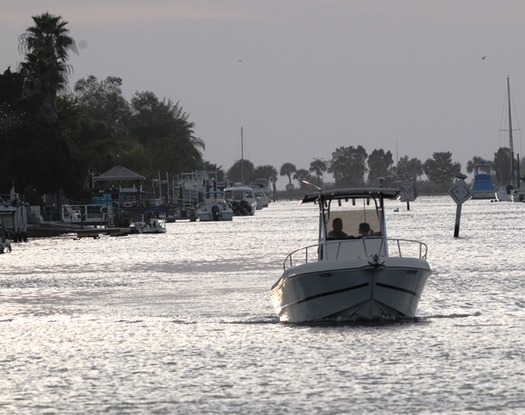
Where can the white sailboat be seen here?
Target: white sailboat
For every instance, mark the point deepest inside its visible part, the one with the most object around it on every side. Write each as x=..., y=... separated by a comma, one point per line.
x=511, y=191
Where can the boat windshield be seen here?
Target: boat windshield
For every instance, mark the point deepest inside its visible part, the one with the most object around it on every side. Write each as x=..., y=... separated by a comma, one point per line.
x=214, y=195
x=351, y=217
x=239, y=194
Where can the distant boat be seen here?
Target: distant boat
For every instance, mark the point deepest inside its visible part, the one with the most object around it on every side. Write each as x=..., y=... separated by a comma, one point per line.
x=94, y=214
x=5, y=242
x=482, y=186
x=260, y=196
x=242, y=199
x=155, y=225
x=214, y=207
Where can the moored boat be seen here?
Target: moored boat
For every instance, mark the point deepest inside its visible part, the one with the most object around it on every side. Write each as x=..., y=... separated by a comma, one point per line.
x=242, y=199
x=260, y=196
x=511, y=192
x=214, y=207
x=7, y=214
x=362, y=277
x=154, y=225
x=5, y=245
x=92, y=214
x=482, y=185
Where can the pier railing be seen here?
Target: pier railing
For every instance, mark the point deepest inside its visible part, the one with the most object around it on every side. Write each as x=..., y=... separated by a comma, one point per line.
x=356, y=248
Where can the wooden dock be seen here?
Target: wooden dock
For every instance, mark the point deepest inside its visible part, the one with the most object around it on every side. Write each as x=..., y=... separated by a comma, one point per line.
x=96, y=232
x=50, y=229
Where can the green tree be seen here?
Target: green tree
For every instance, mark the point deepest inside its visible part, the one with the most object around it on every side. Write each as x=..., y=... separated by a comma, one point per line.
x=11, y=108
x=218, y=171
x=153, y=119
x=162, y=127
x=348, y=165
x=264, y=172
x=502, y=166
x=408, y=169
x=46, y=45
x=440, y=169
x=300, y=175
x=39, y=159
x=379, y=166
x=136, y=157
x=318, y=167
x=36, y=134
x=241, y=172
x=99, y=139
x=103, y=101
x=475, y=161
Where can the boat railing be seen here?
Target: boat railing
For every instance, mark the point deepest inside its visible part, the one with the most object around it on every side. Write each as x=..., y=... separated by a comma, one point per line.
x=356, y=248
x=93, y=213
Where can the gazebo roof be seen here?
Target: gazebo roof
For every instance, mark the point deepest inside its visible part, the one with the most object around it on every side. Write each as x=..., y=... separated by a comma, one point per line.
x=118, y=173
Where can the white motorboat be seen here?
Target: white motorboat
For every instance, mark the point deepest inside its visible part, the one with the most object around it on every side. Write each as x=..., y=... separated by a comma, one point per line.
x=507, y=194
x=94, y=214
x=260, y=196
x=14, y=213
x=5, y=245
x=155, y=225
x=352, y=278
x=242, y=199
x=214, y=207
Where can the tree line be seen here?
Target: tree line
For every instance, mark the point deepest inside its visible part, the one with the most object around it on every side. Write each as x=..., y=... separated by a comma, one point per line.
x=54, y=137
x=354, y=167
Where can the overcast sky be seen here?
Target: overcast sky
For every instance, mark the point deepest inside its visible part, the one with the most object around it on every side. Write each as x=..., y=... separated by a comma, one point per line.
x=304, y=77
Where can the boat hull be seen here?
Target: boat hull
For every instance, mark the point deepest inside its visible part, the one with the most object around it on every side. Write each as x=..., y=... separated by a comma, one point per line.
x=213, y=213
x=484, y=195
x=154, y=226
x=482, y=186
x=353, y=290
x=244, y=207
x=208, y=217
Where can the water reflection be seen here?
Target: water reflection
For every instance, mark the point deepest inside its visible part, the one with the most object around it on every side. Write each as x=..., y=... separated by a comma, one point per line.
x=182, y=322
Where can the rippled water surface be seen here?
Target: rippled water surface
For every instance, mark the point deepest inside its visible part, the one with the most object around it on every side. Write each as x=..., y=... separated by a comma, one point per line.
x=181, y=323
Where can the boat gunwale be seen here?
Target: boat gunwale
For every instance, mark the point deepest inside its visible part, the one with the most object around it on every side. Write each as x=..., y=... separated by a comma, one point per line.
x=396, y=242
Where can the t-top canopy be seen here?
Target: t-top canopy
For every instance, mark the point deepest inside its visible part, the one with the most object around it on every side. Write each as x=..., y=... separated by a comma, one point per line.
x=356, y=193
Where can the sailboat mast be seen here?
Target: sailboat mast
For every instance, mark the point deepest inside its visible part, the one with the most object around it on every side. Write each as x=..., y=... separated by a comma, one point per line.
x=242, y=157
x=511, y=142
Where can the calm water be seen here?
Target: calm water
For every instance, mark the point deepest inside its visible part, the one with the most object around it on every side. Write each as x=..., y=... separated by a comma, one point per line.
x=181, y=323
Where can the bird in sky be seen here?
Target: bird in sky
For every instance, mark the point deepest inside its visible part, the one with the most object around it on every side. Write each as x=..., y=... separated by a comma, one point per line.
x=483, y=58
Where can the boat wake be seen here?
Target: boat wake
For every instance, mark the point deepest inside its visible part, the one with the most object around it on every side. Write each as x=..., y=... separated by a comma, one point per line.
x=452, y=315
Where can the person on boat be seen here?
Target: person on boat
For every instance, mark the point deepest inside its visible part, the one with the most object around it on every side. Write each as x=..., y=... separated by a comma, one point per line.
x=364, y=230
x=337, y=231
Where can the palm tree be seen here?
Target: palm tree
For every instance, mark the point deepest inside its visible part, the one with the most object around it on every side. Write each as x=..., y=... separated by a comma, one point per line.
x=287, y=169
x=301, y=176
x=46, y=46
x=318, y=166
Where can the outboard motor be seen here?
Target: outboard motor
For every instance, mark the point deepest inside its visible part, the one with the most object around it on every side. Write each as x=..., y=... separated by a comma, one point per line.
x=215, y=212
x=236, y=207
x=245, y=208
